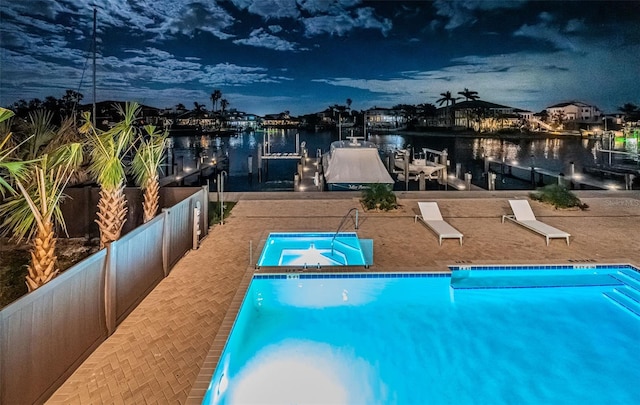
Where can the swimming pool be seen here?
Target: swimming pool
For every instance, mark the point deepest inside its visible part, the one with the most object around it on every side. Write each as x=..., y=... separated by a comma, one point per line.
x=464, y=338
x=317, y=249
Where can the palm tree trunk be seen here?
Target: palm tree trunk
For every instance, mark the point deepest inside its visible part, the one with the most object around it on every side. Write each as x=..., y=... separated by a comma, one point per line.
x=151, y=198
x=112, y=214
x=43, y=266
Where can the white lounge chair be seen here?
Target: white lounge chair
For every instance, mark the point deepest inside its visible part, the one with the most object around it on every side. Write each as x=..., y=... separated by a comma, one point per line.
x=523, y=215
x=430, y=215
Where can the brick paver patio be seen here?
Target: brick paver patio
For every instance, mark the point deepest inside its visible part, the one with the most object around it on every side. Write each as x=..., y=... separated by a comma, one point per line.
x=156, y=353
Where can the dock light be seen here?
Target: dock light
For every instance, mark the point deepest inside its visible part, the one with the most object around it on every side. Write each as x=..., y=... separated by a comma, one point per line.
x=514, y=162
x=187, y=169
x=612, y=186
x=577, y=176
x=461, y=187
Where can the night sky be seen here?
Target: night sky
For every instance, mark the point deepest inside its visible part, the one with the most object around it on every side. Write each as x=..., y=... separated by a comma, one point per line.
x=268, y=56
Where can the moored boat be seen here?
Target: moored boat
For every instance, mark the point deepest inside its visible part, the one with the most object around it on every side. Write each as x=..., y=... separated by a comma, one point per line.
x=354, y=165
x=415, y=166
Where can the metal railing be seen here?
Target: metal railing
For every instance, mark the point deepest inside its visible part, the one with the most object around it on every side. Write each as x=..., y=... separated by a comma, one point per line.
x=342, y=222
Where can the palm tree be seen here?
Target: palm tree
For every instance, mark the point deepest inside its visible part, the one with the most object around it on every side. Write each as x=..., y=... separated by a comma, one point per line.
x=631, y=112
x=198, y=109
x=107, y=151
x=146, y=162
x=215, y=96
x=224, y=103
x=7, y=164
x=447, y=98
x=349, y=102
x=33, y=213
x=469, y=95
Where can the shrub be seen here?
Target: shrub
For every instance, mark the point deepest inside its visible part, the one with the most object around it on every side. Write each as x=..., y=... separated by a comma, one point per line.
x=558, y=196
x=379, y=196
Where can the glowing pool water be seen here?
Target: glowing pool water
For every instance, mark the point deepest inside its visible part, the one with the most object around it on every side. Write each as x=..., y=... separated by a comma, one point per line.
x=417, y=338
x=312, y=250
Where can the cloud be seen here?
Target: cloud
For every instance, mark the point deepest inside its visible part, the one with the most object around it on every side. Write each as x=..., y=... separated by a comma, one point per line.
x=463, y=12
x=546, y=30
x=234, y=75
x=262, y=39
x=343, y=23
x=270, y=9
x=198, y=16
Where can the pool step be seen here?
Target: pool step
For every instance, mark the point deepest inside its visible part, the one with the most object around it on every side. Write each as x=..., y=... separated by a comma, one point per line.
x=631, y=273
x=628, y=278
x=487, y=282
x=624, y=297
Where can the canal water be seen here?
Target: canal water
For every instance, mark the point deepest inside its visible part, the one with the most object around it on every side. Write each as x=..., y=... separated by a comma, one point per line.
x=236, y=157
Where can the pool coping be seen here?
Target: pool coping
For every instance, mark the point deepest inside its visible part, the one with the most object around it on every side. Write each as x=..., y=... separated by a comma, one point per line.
x=205, y=375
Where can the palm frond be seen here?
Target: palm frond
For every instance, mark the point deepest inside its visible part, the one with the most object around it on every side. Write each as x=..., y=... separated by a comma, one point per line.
x=149, y=156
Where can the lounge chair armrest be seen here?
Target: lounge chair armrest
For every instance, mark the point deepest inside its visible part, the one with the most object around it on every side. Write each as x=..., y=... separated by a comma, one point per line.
x=510, y=217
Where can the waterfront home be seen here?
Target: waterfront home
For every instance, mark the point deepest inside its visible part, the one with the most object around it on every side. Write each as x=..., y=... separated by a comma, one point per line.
x=478, y=115
x=240, y=120
x=385, y=118
x=281, y=120
x=574, y=111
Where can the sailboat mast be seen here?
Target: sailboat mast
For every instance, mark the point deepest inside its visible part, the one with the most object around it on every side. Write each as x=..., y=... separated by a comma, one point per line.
x=95, y=12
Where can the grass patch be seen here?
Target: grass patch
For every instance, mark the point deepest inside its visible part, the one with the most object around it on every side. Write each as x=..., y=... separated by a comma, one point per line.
x=214, y=211
x=558, y=196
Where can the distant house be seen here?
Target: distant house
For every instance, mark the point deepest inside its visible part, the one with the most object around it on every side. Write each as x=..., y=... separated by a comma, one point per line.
x=574, y=111
x=385, y=118
x=478, y=115
x=282, y=120
x=241, y=120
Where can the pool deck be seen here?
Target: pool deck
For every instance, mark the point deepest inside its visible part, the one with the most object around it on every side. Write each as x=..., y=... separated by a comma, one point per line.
x=155, y=354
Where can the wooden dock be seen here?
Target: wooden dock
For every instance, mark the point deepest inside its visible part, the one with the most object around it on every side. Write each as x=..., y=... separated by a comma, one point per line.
x=539, y=177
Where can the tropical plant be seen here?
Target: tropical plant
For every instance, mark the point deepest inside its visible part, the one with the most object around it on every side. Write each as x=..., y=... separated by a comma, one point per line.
x=379, y=196
x=631, y=112
x=224, y=103
x=198, y=109
x=108, y=149
x=469, y=94
x=558, y=196
x=34, y=212
x=215, y=96
x=7, y=165
x=146, y=163
x=446, y=99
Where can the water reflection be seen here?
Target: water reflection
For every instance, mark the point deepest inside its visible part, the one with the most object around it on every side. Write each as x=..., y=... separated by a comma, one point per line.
x=240, y=153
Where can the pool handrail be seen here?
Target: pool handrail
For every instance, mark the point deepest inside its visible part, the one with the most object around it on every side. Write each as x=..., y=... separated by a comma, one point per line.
x=344, y=218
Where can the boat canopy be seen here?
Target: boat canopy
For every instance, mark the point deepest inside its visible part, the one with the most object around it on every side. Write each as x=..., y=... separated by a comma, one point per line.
x=356, y=166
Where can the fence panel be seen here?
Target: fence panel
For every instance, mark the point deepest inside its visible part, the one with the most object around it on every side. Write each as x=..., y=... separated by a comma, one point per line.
x=46, y=334
x=138, y=265
x=180, y=228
